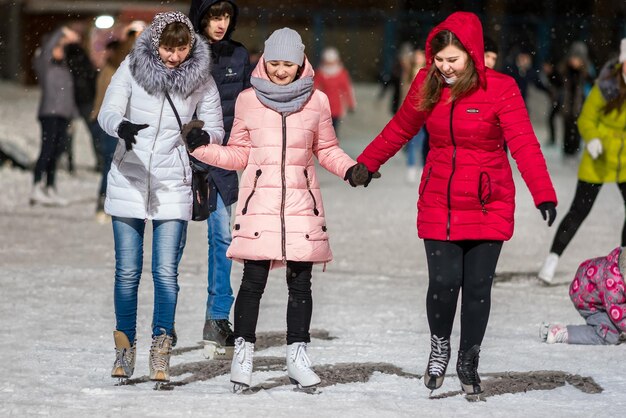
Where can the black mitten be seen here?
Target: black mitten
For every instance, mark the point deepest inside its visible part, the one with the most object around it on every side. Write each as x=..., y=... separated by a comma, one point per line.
x=548, y=211
x=197, y=137
x=127, y=131
x=359, y=175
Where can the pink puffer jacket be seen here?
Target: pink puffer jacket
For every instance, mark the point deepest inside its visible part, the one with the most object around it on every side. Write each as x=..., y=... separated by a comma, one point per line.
x=599, y=286
x=280, y=215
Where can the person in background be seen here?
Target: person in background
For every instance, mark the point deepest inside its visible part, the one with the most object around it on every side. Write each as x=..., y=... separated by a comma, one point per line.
x=491, y=53
x=601, y=125
x=216, y=21
x=165, y=74
x=417, y=61
x=577, y=73
x=281, y=124
x=56, y=109
x=598, y=293
x=332, y=78
x=108, y=143
x=466, y=199
x=552, y=84
x=84, y=74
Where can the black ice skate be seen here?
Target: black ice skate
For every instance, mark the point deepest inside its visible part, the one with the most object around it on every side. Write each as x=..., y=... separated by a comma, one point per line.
x=218, y=338
x=437, y=362
x=467, y=370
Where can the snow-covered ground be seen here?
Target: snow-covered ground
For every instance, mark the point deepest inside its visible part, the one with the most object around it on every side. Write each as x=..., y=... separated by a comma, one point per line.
x=371, y=336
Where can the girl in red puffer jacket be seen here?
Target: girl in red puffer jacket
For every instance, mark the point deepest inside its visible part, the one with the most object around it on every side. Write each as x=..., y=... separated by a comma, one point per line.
x=466, y=194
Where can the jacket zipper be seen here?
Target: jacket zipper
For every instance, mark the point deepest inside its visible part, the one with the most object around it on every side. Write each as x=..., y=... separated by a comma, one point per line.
x=256, y=178
x=156, y=135
x=308, y=187
x=451, y=174
x=426, y=180
x=180, y=157
x=480, y=190
x=284, y=191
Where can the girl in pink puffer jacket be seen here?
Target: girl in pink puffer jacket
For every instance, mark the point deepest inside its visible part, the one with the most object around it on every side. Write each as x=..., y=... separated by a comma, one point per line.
x=280, y=124
x=598, y=292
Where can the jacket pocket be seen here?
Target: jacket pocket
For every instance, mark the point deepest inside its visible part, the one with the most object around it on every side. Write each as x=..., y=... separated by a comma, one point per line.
x=424, y=182
x=484, y=189
x=317, y=234
x=308, y=187
x=256, y=178
x=246, y=232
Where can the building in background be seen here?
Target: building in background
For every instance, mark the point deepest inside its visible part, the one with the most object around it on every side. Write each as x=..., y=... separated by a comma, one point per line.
x=366, y=32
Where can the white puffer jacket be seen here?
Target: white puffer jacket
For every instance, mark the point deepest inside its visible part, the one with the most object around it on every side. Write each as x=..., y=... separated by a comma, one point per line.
x=153, y=180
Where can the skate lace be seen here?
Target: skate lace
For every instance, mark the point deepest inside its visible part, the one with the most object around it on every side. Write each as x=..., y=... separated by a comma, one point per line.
x=300, y=358
x=123, y=357
x=244, y=353
x=160, y=350
x=439, y=355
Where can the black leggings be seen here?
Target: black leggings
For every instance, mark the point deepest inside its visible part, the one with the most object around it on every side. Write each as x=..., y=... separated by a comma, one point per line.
x=299, y=307
x=456, y=265
x=584, y=198
x=53, y=142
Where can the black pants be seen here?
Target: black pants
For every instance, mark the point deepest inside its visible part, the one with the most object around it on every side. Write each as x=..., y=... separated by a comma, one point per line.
x=53, y=142
x=571, y=136
x=584, y=198
x=456, y=265
x=299, y=307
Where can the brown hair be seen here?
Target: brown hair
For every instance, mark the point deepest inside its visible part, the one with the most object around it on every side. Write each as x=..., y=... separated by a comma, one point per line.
x=175, y=34
x=465, y=83
x=617, y=102
x=216, y=10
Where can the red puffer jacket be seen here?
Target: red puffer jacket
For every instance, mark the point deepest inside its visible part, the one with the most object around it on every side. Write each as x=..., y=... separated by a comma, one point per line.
x=467, y=190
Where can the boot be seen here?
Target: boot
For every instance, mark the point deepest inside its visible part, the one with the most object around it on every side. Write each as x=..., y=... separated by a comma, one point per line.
x=124, y=365
x=39, y=196
x=159, y=361
x=553, y=333
x=241, y=366
x=467, y=370
x=549, y=268
x=51, y=191
x=299, y=366
x=437, y=362
x=219, y=341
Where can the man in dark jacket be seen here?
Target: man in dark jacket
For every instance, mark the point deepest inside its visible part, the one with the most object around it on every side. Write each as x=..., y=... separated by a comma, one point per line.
x=216, y=20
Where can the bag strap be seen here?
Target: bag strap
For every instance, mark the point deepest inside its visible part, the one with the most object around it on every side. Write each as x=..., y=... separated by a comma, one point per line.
x=169, y=99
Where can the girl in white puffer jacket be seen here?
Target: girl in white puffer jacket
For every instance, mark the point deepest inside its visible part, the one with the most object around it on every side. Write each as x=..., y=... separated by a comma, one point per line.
x=150, y=177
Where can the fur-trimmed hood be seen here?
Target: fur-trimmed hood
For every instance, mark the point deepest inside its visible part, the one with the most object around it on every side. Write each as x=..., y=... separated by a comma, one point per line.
x=153, y=76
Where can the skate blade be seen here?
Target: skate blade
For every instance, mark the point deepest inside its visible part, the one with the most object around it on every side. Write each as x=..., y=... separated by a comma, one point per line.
x=161, y=385
x=121, y=381
x=239, y=387
x=214, y=351
x=311, y=390
x=473, y=393
x=475, y=397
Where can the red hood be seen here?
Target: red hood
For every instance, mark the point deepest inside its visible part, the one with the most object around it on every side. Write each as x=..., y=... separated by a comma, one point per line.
x=467, y=27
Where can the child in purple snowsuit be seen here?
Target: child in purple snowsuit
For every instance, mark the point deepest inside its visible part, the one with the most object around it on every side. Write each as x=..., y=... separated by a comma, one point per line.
x=598, y=292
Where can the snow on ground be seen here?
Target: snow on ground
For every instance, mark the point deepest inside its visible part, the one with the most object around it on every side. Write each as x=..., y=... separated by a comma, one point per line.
x=371, y=336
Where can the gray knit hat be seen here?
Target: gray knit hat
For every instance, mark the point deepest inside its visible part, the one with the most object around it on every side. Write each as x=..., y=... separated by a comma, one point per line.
x=284, y=45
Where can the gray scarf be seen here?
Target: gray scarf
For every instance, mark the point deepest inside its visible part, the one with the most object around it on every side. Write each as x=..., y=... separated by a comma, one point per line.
x=283, y=99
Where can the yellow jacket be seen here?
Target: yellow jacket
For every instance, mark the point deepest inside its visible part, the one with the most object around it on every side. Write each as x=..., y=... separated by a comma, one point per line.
x=610, y=128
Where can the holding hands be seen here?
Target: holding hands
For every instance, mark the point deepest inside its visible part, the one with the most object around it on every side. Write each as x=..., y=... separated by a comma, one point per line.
x=128, y=130
x=194, y=136
x=359, y=175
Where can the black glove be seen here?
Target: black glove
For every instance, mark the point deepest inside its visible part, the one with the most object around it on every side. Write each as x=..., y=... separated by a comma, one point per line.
x=197, y=137
x=359, y=175
x=127, y=131
x=548, y=211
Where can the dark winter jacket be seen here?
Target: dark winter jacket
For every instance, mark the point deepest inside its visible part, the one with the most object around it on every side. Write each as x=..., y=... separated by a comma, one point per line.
x=231, y=71
x=84, y=74
x=55, y=79
x=467, y=190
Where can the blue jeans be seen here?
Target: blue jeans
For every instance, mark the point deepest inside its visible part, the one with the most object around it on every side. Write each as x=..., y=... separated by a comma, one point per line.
x=168, y=242
x=413, y=146
x=220, y=298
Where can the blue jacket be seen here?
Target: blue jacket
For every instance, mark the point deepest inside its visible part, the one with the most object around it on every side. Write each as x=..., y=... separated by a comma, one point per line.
x=231, y=71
